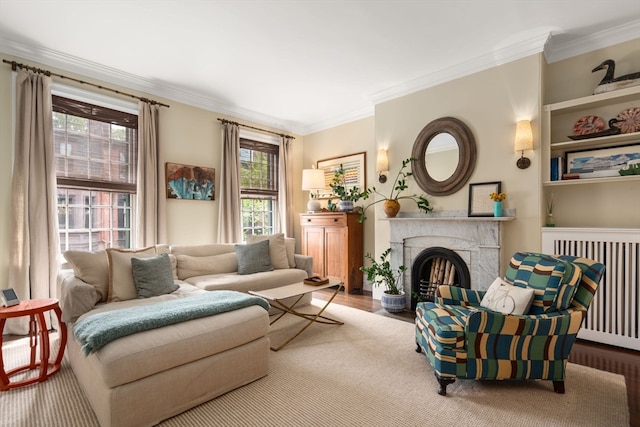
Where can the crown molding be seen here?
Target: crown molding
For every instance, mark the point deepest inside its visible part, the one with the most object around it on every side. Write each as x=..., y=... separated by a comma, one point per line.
x=557, y=50
x=551, y=45
x=341, y=119
x=73, y=64
x=472, y=66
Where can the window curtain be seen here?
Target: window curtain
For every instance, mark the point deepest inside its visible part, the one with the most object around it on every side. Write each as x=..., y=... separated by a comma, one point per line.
x=33, y=262
x=285, y=188
x=151, y=224
x=229, y=216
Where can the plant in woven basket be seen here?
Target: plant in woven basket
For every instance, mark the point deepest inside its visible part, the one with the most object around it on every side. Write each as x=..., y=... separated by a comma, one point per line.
x=380, y=273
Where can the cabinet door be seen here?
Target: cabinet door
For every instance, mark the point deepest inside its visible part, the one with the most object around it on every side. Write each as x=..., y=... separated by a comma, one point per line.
x=336, y=253
x=313, y=246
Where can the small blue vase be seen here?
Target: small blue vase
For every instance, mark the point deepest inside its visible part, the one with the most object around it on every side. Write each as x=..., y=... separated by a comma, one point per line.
x=497, y=209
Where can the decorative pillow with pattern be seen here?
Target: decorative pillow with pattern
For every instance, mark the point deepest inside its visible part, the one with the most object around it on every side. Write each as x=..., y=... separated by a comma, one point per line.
x=153, y=276
x=506, y=298
x=552, y=280
x=253, y=258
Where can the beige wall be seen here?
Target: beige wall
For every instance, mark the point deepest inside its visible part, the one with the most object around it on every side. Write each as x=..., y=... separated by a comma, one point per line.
x=188, y=135
x=354, y=137
x=489, y=102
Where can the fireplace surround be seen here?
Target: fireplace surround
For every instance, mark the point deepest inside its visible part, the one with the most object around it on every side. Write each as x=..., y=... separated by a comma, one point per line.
x=475, y=240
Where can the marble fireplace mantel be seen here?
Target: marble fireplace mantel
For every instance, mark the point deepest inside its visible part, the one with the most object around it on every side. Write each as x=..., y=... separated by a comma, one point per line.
x=476, y=239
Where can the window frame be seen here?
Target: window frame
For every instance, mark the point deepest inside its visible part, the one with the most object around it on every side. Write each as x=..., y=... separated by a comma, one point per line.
x=271, y=145
x=76, y=102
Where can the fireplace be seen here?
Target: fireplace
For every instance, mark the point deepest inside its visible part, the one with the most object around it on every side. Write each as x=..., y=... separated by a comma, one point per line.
x=433, y=267
x=475, y=243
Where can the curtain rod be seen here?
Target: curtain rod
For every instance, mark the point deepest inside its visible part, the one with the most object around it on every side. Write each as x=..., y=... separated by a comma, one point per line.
x=15, y=65
x=252, y=127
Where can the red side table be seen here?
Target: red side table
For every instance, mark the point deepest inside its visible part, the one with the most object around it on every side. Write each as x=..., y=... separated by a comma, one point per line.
x=35, y=309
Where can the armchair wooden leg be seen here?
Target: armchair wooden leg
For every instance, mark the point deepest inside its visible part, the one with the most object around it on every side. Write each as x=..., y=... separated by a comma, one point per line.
x=558, y=387
x=418, y=348
x=444, y=382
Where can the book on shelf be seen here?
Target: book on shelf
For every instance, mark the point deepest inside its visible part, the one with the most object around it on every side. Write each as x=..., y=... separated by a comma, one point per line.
x=316, y=280
x=557, y=168
x=570, y=176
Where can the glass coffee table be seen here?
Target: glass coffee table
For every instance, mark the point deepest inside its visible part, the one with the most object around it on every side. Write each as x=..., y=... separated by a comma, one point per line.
x=277, y=295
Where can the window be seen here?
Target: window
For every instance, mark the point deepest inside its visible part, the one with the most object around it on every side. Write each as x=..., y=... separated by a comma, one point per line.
x=95, y=157
x=258, y=187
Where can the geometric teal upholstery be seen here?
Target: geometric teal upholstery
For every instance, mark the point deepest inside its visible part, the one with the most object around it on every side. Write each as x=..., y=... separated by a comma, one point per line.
x=554, y=281
x=461, y=339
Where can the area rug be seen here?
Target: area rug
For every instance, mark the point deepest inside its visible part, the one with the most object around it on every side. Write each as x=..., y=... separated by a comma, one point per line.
x=363, y=373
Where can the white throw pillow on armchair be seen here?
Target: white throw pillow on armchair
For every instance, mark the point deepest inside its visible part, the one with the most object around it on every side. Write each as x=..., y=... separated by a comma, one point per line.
x=506, y=298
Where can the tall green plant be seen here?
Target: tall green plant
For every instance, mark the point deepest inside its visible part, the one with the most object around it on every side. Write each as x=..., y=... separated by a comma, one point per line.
x=381, y=274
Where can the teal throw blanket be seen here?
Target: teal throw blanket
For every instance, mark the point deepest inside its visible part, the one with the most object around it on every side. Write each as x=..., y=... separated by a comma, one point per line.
x=98, y=330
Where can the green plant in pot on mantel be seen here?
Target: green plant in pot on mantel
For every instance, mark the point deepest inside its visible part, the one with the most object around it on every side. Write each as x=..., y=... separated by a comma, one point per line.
x=381, y=274
x=391, y=204
x=347, y=195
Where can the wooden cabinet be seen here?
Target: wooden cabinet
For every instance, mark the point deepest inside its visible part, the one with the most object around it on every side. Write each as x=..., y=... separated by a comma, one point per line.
x=335, y=241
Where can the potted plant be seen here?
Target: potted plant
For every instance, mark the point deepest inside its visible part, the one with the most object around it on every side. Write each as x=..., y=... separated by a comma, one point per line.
x=381, y=274
x=347, y=196
x=391, y=203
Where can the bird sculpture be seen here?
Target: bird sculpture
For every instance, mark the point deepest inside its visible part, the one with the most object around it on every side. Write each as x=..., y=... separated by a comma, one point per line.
x=609, y=83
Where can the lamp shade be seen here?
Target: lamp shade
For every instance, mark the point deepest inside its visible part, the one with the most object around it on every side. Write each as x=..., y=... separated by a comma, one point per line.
x=312, y=179
x=524, y=138
x=382, y=161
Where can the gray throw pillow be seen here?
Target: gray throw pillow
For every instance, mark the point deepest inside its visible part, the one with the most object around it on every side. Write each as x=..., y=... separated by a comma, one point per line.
x=153, y=276
x=254, y=257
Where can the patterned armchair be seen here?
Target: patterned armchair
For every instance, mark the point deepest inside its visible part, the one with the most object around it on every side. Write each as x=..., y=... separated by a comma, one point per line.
x=462, y=339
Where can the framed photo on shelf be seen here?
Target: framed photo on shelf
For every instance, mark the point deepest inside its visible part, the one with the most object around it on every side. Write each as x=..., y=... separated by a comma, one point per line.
x=480, y=204
x=355, y=172
x=601, y=162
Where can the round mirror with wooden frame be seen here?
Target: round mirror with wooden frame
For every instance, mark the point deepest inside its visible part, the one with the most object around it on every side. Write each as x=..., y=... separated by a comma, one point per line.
x=466, y=158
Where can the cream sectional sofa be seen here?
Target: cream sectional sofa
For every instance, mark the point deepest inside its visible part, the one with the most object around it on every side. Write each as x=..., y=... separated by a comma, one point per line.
x=144, y=378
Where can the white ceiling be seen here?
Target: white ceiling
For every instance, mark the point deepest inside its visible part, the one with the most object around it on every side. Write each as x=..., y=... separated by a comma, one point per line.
x=301, y=65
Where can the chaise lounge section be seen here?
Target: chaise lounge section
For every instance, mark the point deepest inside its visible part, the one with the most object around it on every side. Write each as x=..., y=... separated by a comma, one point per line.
x=144, y=378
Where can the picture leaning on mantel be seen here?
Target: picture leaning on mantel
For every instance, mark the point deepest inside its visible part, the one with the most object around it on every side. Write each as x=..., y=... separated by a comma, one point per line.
x=355, y=172
x=190, y=182
x=480, y=204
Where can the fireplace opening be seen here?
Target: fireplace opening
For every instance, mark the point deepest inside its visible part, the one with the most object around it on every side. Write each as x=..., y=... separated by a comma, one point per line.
x=433, y=267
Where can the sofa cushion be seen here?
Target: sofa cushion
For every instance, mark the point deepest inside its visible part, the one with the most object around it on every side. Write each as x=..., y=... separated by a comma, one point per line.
x=290, y=245
x=253, y=258
x=92, y=267
x=121, y=285
x=191, y=266
x=153, y=276
x=551, y=279
x=277, y=249
x=506, y=298
x=249, y=282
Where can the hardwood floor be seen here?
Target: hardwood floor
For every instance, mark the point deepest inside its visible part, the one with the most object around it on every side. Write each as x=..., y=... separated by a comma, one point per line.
x=599, y=356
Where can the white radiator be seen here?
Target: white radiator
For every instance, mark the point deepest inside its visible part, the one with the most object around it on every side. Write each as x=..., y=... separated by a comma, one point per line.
x=613, y=316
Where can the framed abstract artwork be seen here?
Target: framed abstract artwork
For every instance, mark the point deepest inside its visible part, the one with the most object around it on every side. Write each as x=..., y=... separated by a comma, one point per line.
x=190, y=182
x=354, y=172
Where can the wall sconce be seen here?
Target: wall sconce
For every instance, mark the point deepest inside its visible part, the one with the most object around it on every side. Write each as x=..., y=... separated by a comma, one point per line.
x=524, y=141
x=382, y=165
x=313, y=180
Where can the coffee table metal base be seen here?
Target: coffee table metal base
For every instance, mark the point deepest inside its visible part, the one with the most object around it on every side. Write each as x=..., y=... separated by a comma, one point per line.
x=310, y=317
